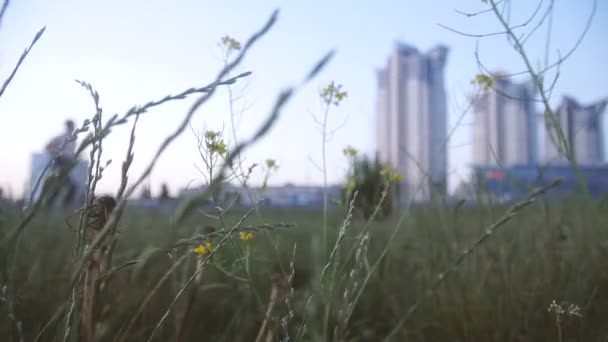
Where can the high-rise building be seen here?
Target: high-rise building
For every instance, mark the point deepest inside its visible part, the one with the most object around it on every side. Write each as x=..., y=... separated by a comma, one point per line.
x=583, y=130
x=505, y=130
x=412, y=119
x=39, y=171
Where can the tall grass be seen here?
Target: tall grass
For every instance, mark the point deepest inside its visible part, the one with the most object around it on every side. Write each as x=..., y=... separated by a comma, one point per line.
x=499, y=293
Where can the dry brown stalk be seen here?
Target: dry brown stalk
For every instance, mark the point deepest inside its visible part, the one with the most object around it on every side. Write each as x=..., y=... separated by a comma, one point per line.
x=280, y=288
x=97, y=215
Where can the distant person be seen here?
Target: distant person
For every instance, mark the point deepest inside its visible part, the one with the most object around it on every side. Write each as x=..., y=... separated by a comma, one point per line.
x=54, y=147
x=63, y=150
x=164, y=192
x=146, y=192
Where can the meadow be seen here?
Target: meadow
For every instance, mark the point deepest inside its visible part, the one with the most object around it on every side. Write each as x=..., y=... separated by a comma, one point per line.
x=501, y=292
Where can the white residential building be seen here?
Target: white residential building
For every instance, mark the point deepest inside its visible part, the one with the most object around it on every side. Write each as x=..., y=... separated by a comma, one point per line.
x=582, y=128
x=505, y=129
x=39, y=170
x=411, y=129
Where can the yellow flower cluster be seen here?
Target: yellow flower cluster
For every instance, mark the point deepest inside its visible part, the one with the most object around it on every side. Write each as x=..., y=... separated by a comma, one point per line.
x=389, y=173
x=350, y=151
x=203, y=248
x=219, y=147
x=271, y=164
x=333, y=94
x=245, y=236
x=215, y=143
x=231, y=43
x=484, y=81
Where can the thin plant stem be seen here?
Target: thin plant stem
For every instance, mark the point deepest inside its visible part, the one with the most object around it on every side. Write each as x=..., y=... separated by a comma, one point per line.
x=23, y=55
x=549, y=114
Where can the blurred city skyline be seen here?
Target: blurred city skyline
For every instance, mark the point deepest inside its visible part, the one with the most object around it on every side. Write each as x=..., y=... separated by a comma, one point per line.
x=134, y=52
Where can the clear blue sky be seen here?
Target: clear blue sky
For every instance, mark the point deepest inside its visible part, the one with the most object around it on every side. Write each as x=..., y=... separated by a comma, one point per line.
x=135, y=51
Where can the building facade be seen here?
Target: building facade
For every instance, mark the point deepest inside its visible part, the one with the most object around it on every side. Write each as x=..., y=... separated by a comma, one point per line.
x=506, y=184
x=583, y=129
x=411, y=128
x=505, y=129
x=284, y=196
x=39, y=170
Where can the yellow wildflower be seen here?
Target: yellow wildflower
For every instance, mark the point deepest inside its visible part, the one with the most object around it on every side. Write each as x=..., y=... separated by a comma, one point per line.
x=203, y=248
x=220, y=147
x=246, y=236
x=231, y=43
x=211, y=134
x=397, y=177
x=217, y=146
x=340, y=95
x=271, y=164
x=349, y=151
x=332, y=94
x=484, y=81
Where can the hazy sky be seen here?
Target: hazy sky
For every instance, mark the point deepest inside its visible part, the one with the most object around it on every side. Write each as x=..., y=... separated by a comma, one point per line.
x=136, y=51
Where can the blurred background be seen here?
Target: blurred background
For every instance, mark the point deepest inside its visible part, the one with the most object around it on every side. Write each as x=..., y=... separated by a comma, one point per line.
x=136, y=51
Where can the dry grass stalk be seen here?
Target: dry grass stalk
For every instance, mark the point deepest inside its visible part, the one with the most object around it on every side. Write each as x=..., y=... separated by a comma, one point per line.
x=280, y=288
x=289, y=297
x=23, y=55
x=97, y=215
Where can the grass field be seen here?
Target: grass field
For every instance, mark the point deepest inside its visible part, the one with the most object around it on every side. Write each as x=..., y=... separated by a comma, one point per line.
x=500, y=292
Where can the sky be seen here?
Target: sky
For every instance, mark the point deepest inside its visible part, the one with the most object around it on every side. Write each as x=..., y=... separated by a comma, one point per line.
x=136, y=51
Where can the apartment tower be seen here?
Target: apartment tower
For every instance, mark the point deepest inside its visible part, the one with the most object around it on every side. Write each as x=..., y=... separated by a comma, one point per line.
x=583, y=129
x=505, y=129
x=411, y=129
